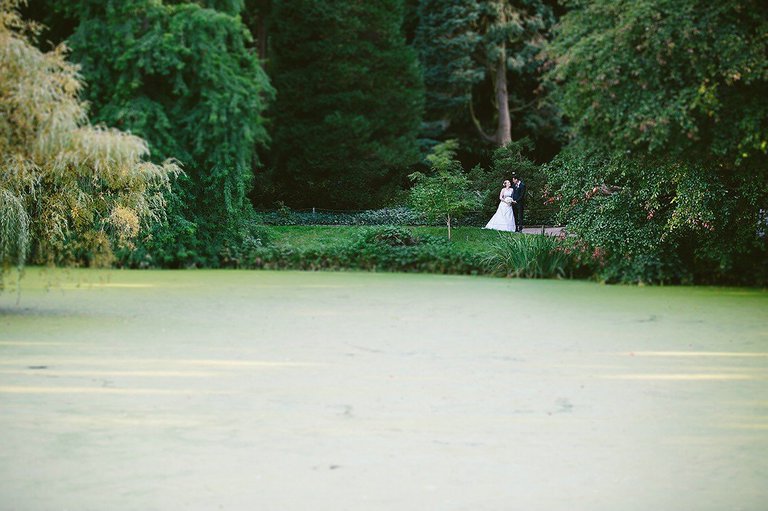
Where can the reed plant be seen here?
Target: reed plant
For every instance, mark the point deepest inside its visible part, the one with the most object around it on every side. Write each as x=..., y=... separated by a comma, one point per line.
x=528, y=256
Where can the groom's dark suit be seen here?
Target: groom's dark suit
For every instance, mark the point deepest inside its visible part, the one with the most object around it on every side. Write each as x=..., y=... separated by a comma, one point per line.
x=518, y=195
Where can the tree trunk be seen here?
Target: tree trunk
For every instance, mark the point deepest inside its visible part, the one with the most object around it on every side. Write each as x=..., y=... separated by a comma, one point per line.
x=476, y=121
x=504, y=126
x=503, y=134
x=449, y=227
x=261, y=36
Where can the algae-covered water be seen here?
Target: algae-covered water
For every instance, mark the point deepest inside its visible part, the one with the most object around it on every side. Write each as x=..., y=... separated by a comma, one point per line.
x=287, y=391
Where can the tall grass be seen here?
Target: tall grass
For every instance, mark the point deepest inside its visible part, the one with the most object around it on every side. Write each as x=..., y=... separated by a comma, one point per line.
x=527, y=255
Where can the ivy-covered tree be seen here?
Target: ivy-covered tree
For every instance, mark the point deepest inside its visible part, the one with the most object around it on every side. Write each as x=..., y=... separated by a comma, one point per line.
x=183, y=77
x=479, y=60
x=349, y=103
x=668, y=172
x=67, y=188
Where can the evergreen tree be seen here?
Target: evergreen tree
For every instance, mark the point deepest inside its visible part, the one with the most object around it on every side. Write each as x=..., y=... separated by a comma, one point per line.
x=446, y=41
x=479, y=61
x=349, y=102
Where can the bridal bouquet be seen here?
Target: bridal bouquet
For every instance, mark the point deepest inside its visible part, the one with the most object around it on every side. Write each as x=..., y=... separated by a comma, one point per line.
x=508, y=200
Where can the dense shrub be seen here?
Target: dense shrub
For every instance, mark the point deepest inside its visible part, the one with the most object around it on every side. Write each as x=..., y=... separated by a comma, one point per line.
x=667, y=171
x=377, y=249
x=660, y=221
x=388, y=235
x=179, y=244
x=385, y=216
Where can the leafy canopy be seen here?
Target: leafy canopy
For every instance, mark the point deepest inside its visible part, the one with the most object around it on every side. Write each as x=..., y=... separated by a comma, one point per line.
x=349, y=103
x=676, y=76
x=668, y=170
x=183, y=77
x=63, y=182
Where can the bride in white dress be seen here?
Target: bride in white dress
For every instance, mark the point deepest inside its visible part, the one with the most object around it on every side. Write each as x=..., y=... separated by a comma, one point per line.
x=504, y=219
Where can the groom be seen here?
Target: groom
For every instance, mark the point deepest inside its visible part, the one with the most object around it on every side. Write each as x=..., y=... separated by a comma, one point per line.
x=518, y=196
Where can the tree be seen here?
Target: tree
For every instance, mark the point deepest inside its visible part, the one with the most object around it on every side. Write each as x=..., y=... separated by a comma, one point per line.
x=447, y=43
x=350, y=101
x=470, y=49
x=183, y=77
x=668, y=169
x=446, y=193
x=65, y=185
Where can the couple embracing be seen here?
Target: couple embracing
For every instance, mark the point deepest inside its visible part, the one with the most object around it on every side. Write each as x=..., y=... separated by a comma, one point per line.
x=509, y=215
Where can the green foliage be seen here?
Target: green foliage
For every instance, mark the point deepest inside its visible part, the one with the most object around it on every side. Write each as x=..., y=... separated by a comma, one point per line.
x=14, y=231
x=384, y=236
x=179, y=244
x=446, y=194
x=385, y=216
x=68, y=187
x=447, y=45
x=350, y=102
x=388, y=235
x=385, y=248
x=392, y=248
x=460, y=43
x=232, y=7
x=528, y=256
x=668, y=170
x=659, y=220
x=506, y=160
x=675, y=76
x=183, y=77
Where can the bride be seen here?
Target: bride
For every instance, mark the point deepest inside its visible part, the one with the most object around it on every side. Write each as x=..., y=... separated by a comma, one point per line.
x=504, y=219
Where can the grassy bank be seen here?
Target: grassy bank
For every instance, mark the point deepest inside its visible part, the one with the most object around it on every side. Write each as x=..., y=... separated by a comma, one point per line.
x=421, y=249
x=471, y=251
x=470, y=238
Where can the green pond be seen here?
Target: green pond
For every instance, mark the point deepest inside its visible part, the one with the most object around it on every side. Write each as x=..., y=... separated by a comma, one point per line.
x=290, y=391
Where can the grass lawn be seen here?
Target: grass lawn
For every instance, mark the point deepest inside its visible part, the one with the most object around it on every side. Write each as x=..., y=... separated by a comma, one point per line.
x=473, y=238
x=295, y=391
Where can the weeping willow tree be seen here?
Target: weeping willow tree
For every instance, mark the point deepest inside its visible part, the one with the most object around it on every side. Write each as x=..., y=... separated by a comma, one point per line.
x=67, y=189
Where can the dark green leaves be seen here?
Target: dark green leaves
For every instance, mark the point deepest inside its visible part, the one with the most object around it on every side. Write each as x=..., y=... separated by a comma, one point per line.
x=184, y=78
x=349, y=102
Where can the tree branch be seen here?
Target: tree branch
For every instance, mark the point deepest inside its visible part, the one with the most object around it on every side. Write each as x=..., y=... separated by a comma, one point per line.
x=477, y=124
x=523, y=107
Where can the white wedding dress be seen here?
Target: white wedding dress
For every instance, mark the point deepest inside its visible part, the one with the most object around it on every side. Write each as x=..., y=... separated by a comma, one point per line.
x=504, y=219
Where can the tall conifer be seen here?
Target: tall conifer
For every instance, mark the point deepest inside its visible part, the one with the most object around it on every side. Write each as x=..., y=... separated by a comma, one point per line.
x=349, y=102
x=478, y=56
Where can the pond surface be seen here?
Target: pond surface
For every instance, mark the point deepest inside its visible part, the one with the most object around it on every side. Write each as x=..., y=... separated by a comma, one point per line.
x=288, y=391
